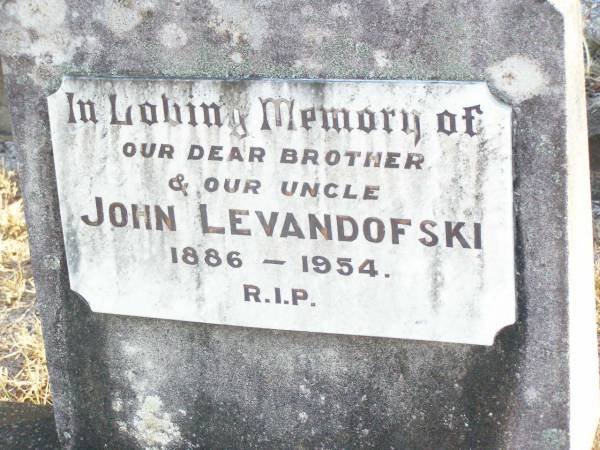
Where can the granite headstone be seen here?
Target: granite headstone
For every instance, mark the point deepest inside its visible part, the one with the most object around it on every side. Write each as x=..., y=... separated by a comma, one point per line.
x=439, y=288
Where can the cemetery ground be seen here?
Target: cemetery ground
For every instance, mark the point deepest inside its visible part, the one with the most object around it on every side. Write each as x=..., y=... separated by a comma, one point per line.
x=23, y=372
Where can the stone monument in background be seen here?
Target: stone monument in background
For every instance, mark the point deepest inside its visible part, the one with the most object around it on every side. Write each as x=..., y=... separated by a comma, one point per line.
x=7, y=148
x=309, y=224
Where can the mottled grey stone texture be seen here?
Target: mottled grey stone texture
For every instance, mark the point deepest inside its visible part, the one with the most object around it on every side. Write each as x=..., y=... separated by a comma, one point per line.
x=5, y=130
x=24, y=426
x=8, y=155
x=122, y=382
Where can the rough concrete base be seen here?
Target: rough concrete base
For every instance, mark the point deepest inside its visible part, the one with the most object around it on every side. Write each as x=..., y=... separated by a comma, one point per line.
x=27, y=427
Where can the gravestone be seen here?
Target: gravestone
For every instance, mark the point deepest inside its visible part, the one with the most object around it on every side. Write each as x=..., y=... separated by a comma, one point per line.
x=308, y=224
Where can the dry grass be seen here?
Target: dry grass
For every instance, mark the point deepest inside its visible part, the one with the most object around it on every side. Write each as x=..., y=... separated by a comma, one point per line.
x=23, y=371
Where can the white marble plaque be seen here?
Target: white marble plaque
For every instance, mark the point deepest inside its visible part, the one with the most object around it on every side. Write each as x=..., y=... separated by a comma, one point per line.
x=375, y=208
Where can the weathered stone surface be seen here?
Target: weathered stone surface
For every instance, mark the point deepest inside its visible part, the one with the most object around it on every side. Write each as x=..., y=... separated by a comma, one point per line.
x=24, y=426
x=593, y=113
x=8, y=155
x=126, y=382
x=5, y=130
x=591, y=19
x=363, y=223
